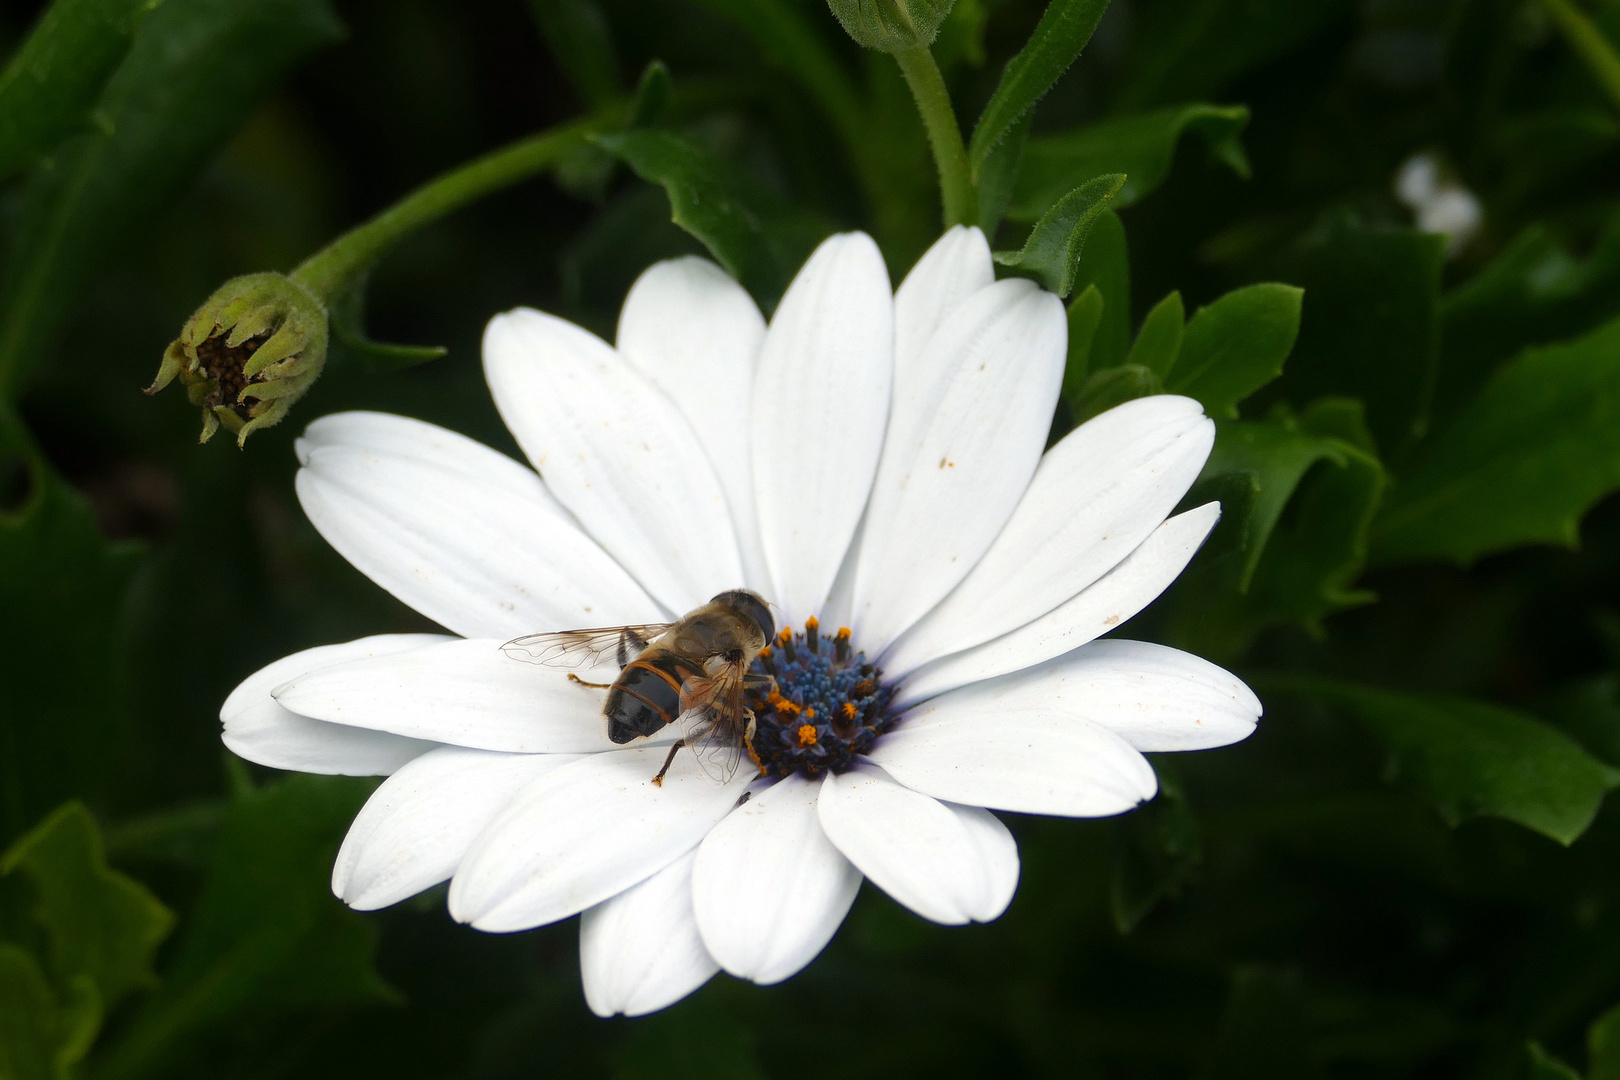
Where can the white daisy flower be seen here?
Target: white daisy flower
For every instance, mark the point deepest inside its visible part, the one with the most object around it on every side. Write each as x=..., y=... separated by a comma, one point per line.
x=871, y=459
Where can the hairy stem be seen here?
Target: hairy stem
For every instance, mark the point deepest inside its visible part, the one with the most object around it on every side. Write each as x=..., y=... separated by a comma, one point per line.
x=944, y=136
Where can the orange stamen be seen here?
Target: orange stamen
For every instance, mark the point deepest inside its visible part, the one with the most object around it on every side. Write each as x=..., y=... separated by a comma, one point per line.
x=807, y=735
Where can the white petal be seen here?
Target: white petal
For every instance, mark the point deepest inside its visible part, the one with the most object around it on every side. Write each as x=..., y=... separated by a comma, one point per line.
x=584, y=833
x=617, y=453
x=1097, y=609
x=640, y=951
x=463, y=534
x=1154, y=697
x=1095, y=497
x=952, y=864
x=951, y=476
x=696, y=333
x=462, y=692
x=966, y=749
x=413, y=831
x=821, y=398
x=261, y=730
x=956, y=267
x=770, y=889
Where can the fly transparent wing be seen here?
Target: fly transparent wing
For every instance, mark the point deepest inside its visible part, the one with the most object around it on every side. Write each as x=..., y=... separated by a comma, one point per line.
x=585, y=648
x=714, y=722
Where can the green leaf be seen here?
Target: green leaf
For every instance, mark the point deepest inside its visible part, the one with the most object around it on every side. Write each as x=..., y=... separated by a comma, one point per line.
x=1603, y=1047
x=999, y=176
x=1371, y=327
x=1085, y=317
x=1104, y=389
x=1105, y=263
x=1237, y=345
x=346, y=313
x=1473, y=759
x=760, y=239
x=1297, y=498
x=582, y=43
x=101, y=925
x=1158, y=343
x=1543, y=1066
x=50, y=86
x=1052, y=252
x=1056, y=43
x=1533, y=293
x=1142, y=147
x=61, y=585
x=1520, y=465
x=197, y=70
x=267, y=936
x=651, y=99
x=41, y=1037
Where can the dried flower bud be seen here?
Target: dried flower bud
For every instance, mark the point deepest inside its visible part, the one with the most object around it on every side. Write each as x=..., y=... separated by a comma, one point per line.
x=892, y=26
x=248, y=353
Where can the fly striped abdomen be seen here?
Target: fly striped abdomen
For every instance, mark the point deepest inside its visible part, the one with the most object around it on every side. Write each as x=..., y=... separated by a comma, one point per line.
x=646, y=697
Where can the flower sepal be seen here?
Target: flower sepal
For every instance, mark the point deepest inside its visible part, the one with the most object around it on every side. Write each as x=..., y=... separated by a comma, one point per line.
x=249, y=353
x=892, y=26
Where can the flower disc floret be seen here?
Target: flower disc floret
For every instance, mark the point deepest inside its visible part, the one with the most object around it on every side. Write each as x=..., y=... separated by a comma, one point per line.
x=826, y=708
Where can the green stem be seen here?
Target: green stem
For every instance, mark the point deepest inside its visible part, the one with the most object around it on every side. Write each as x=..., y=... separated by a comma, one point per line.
x=1595, y=50
x=944, y=136
x=336, y=267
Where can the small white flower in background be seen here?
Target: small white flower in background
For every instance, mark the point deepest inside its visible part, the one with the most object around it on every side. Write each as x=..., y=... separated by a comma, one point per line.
x=870, y=458
x=1438, y=203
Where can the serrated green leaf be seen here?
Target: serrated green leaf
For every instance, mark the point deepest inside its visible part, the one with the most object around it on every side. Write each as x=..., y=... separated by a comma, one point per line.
x=1052, y=253
x=1537, y=291
x=100, y=924
x=196, y=72
x=1158, y=342
x=52, y=82
x=760, y=239
x=267, y=936
x=61, y=585
x=1264, y=566
x=1142, y=147
x=1520, y=465
x=41, y=1036
x=1062, y=32
x=1370, y=329
x=1236, y=345
x=1473, y=759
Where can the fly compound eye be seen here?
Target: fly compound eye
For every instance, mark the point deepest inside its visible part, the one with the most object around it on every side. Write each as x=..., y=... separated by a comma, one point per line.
x=752, y=606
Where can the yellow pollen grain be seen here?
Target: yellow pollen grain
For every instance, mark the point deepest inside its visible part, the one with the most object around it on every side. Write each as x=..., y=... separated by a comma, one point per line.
x=811, y=623
x=848, y=710
x=807, y=735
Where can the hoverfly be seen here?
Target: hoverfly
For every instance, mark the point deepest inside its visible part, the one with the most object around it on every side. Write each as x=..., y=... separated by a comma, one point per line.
x=693, y=671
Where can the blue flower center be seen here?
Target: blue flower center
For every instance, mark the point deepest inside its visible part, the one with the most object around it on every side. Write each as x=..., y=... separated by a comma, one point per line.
x=826, y=708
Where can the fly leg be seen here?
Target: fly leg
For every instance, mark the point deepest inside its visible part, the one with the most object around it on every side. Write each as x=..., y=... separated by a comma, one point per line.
x=658, y=781
x=593, y=685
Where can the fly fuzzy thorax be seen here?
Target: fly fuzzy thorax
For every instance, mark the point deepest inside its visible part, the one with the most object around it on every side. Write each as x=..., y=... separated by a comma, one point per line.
x=824, y=707
x=248, y=353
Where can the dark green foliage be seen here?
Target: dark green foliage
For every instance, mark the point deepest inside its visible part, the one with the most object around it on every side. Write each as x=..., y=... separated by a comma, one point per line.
x=1056, y=43
x=1408, y=871
x=1522, y=462
x=1052, y=253
x=51, y=83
